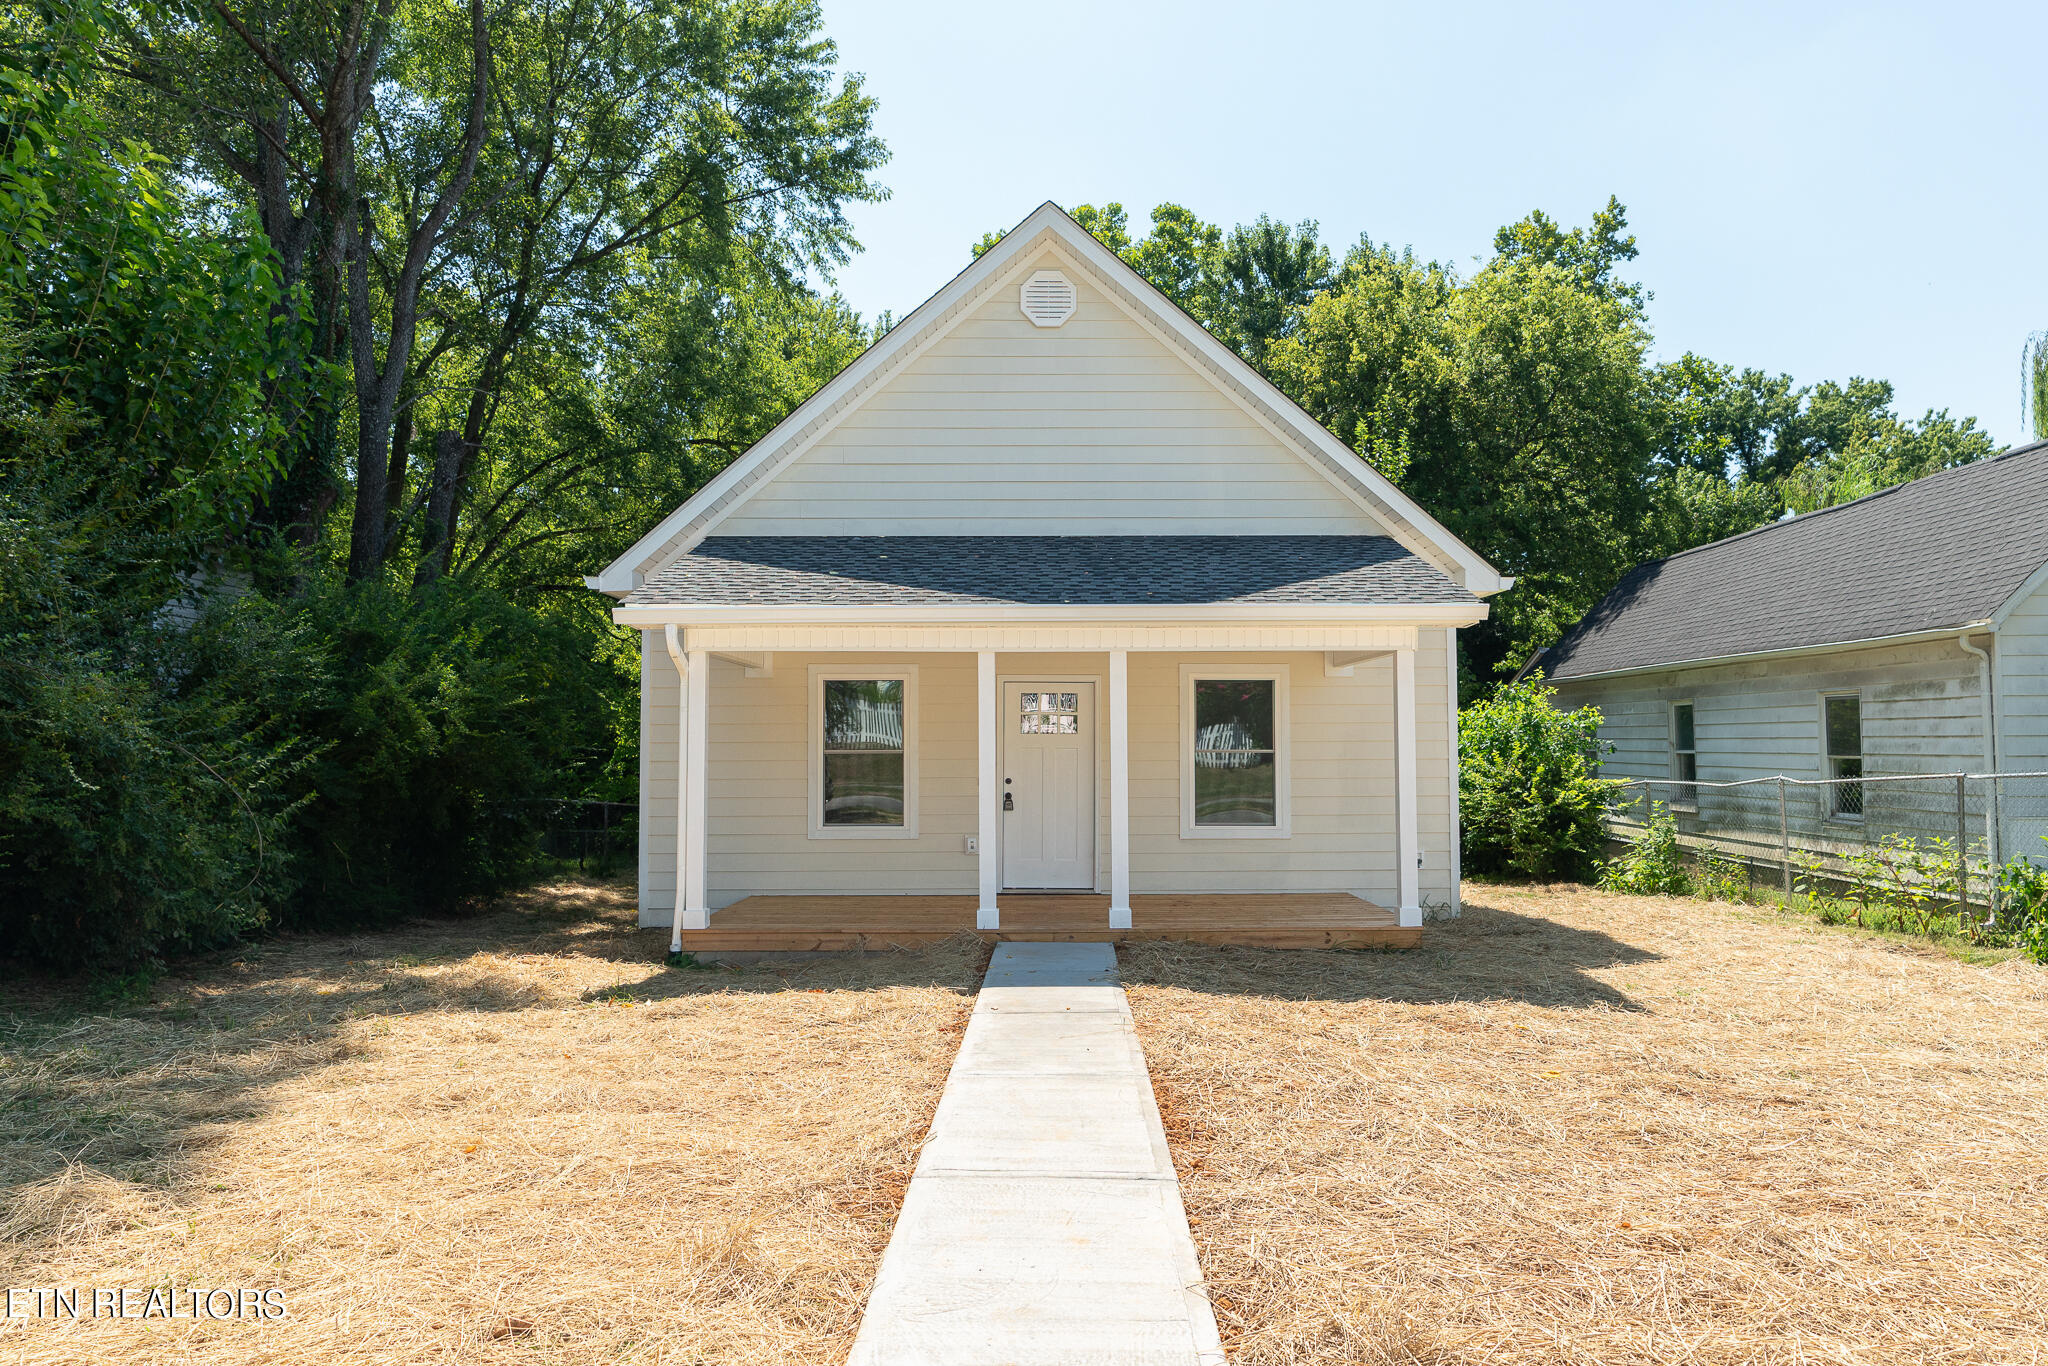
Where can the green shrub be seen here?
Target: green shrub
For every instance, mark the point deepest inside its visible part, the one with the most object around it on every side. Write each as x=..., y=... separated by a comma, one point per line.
x=1529, y=789
x=1653, y=865
x=2023, y=907
x=1719, y=879
x=444, y=722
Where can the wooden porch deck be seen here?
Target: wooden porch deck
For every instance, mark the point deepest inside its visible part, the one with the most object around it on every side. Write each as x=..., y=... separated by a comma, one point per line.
x=1306, y=920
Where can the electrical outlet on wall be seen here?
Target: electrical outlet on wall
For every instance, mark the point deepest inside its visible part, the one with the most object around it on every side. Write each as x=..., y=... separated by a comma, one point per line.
x=973, y=844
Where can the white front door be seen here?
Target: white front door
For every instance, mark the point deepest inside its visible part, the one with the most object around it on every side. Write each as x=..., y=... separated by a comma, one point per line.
x=1048, y=798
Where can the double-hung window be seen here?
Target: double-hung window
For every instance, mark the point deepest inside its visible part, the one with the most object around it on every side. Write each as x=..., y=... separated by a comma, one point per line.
x=1685, y=758
x=863, y=753
x=1842, y=738
x=1234, y=754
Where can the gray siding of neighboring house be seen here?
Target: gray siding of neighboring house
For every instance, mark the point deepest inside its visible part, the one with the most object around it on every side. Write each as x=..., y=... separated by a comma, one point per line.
x=1922, y=713
x=2022, y=691
x=2023, y=685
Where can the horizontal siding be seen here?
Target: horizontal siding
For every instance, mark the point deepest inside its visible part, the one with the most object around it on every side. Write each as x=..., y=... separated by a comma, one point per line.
x=1922, y=714
x=2023, y=685
x=1091, y=428
x=1342, y=782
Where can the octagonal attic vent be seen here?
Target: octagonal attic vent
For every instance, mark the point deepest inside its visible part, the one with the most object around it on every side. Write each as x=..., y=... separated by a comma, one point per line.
x=1048, y=298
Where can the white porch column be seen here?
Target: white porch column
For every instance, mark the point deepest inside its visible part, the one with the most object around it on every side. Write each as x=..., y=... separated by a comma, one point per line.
x=1407, y=837
x=989, y=837
x=1119, y=790
x=693, y=847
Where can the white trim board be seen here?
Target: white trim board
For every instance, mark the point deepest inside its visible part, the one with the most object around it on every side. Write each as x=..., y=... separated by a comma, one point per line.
x=1072, y=636
x=1049, y=227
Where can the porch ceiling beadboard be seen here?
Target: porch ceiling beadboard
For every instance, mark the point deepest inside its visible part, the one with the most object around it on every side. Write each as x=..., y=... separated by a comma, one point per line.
x=862, y=571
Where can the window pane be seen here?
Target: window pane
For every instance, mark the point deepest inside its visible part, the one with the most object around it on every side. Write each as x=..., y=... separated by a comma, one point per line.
x=1027, y=701
x=1069, y=725
x=1233, y=713
x=864, y=714
x=1688, y=769
x=1030, y=725
x=1070, y=701
x=864, y=788
x=1234, y=788
x=1845, y=725
x=1681, y=716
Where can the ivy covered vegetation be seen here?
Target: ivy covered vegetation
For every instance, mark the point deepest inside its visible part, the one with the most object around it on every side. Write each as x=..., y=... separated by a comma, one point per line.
x=330, y=358
x=338, y=341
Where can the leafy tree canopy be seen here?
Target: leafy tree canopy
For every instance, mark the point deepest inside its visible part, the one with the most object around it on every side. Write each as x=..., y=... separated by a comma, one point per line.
x=1520, y=403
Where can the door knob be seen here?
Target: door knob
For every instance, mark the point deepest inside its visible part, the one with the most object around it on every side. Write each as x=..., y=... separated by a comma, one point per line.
x=1009, y=802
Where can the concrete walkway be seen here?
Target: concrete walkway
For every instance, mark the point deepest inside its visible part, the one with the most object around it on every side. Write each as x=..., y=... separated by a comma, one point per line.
x=1043, y=1223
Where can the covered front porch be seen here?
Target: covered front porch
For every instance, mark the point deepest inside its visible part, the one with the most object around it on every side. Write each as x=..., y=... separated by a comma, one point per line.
x=1301, y=920
x=1085, y=763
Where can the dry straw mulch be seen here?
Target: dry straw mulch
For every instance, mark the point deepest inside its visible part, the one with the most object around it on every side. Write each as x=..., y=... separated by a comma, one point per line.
x=517, y=1138
x=1583, y=1127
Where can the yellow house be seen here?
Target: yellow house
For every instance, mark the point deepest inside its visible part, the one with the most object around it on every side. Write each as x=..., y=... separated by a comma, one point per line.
x=1049, y=617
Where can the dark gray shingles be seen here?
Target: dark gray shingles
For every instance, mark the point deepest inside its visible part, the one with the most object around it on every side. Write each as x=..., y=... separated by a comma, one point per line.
x=1943, y=551
x=859, y=571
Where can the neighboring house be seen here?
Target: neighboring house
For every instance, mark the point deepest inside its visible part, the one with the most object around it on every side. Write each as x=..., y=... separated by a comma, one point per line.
x=1903, y=633
x=1048, y=590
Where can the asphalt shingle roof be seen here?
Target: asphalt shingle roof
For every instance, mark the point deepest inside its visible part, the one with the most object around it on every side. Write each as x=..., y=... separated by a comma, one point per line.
x=862, y=571
x=1942, y=551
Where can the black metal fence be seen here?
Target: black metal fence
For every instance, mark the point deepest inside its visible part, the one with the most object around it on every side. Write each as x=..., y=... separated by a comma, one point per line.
x=602, y=837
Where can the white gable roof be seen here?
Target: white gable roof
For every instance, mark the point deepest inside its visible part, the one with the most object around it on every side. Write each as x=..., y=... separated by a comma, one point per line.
x=1049, y=230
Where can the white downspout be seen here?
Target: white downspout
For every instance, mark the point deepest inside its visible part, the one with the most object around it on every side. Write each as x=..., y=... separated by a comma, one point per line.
x=673, y=638
x=1993, y=815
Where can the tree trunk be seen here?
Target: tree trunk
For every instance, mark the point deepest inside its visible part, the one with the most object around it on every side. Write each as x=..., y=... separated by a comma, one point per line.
x=377, y=386
x=437, y=534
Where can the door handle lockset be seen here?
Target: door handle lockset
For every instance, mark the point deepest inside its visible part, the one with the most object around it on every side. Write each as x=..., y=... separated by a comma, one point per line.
x=1009, y=802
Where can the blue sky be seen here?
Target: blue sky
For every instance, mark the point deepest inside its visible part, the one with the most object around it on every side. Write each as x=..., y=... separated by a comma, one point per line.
x=1821, y=189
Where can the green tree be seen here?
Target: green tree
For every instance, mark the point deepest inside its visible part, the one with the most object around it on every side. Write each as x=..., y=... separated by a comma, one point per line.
x=1266, y=273
x=1530, y=798
x=1589, y=255
x=1511, y=405
x=144, y=790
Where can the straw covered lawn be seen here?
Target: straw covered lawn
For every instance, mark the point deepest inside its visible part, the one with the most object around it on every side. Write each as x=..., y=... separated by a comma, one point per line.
x=517, y=1138
x=1583, y=1127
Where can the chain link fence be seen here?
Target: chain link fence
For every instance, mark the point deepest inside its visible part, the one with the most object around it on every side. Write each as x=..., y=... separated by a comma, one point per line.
x=1780, y=829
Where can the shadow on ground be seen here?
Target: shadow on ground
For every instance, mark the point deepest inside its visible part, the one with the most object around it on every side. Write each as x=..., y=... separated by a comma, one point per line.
x=97, y=1095
x=1486, y=954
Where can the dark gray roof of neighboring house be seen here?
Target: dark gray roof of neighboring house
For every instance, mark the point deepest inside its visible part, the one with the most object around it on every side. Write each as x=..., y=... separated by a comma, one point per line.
x=864, y=571
x=1943, y=551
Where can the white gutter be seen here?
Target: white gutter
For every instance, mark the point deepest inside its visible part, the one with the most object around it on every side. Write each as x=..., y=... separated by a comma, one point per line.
x=987, y=614
x=674, y=640
x=1829, y=647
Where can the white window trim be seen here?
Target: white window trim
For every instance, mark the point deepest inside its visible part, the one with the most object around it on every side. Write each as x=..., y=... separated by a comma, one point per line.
x=1827, y=766
x=820, y=675
x=1283, y=797
x=1691, y=803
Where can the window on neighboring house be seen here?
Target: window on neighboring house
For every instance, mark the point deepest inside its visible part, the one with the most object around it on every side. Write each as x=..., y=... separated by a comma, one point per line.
x=1685, y=758
x=863, y=754
x=1842, y=727
x=1234, y=754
